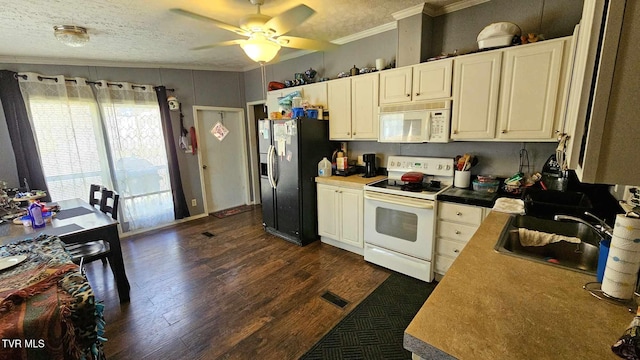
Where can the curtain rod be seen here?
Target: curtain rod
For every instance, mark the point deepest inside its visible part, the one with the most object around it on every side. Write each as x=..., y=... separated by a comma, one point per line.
x=40, y=78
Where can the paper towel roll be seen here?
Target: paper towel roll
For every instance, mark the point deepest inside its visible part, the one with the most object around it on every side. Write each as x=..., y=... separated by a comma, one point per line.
x=627, y=228
x=626, y=244
x=618, y=284
x=623, y=260
x=623, y=263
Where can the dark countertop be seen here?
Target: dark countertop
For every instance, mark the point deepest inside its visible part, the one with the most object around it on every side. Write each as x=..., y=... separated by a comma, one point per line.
x=469, y=197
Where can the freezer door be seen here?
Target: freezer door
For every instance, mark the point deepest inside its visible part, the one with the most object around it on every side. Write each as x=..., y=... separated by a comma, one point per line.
x=264, y=135
x=267, y=194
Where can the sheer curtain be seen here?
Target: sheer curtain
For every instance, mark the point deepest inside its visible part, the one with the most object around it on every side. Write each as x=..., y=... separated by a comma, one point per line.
x=138, y=155
x=70, y=143
x=101, y=133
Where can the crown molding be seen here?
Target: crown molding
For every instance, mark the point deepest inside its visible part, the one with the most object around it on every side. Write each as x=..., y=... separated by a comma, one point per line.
x=414, y=10
x=103, y=63
x=459, y=6
x=366, y=33
x=436, y=11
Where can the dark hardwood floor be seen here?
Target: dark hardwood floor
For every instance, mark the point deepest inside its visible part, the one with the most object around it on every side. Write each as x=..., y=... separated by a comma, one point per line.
x=241, y=294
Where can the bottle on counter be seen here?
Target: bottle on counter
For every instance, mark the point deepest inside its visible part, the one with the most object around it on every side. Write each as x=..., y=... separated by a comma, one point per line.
x=324, y=167
x=35, y=213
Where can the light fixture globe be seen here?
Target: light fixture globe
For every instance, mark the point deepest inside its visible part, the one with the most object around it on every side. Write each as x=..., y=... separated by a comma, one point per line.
x=71, y=35
x=260, y=49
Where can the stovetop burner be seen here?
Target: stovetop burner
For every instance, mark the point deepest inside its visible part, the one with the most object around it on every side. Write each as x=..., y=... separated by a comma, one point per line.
x=414, y=187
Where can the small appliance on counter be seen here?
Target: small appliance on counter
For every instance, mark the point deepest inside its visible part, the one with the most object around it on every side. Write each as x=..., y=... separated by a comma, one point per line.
x=369, y=165
x=553, y=177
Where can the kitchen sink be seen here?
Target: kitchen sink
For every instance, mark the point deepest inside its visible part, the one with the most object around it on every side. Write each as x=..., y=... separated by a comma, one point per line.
x=582, y=257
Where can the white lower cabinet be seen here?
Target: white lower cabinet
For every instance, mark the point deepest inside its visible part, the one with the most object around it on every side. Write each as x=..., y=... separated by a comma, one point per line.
x=456, y=224
x=340, y=217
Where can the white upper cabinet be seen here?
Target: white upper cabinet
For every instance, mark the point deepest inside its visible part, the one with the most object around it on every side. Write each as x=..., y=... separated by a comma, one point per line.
x=425, y=81
x=432, y=80
x=364, y=106
x=339, y=98
x=353, y=107
x=316, y=94
x=512, y=94
x=476, y=84
x=396, y=85
x=529, y=91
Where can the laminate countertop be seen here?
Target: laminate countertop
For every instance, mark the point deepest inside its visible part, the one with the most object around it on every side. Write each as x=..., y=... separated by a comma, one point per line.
x=496, y=306
x=353, y=181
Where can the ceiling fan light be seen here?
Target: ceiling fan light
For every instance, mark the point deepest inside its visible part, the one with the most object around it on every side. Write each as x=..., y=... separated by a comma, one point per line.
x=71, y=35
x=260, y=49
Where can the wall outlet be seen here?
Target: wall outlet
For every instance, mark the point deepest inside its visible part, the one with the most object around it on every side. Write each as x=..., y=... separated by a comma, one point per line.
x=194, y=202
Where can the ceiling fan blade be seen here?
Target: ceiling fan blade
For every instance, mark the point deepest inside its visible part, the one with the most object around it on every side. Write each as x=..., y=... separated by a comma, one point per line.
x=218, y=23
x=306, y=44
x=289, y=19
x=224, y=43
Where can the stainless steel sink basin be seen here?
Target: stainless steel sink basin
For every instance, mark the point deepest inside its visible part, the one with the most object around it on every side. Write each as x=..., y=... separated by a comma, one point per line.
x=581, y=257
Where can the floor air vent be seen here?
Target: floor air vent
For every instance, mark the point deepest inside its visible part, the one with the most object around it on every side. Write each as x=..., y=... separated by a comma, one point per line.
x=208, y=234
x=334, y=299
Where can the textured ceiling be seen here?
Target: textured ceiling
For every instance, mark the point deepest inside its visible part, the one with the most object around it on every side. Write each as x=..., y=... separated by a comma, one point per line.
x=144, y=33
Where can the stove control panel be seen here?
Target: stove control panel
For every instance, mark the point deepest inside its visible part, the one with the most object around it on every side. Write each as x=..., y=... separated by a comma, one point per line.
x=425, y=165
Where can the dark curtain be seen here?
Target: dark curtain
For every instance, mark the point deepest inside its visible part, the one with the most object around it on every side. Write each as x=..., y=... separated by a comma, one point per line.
x=180, y=208
x=20, y=132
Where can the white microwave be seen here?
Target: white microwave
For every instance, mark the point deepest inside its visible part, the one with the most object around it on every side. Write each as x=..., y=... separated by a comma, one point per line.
x=415, y=122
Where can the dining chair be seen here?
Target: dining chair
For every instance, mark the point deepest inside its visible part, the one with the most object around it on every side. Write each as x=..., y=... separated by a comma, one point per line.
x=83, y=253
x=93, y=190
x=109, y=203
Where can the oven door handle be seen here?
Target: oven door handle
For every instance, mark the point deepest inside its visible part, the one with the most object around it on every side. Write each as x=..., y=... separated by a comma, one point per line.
x=399, y=200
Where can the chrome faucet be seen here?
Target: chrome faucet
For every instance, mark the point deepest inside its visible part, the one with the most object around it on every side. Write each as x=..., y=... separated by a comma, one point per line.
x=605, y=231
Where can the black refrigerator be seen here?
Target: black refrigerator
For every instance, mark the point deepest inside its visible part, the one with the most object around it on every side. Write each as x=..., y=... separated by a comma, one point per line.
x=289, y=154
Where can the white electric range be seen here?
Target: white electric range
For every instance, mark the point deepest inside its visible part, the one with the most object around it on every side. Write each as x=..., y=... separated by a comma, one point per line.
x=400, y=218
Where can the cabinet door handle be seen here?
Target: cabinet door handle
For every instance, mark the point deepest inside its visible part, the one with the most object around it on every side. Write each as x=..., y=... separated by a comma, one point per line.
x=417, y=94
x=408, y=95
x=455, y=132
x=458, y=213
x=458, y=232
x=504, y=131
x=354, y=134
x=456, y=251
x=348, y=133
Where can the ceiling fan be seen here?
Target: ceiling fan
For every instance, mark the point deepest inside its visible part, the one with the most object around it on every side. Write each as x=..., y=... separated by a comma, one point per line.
x=265, y=33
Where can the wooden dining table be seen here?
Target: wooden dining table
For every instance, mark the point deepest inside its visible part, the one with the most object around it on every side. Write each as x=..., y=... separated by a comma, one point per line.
x=78, y=222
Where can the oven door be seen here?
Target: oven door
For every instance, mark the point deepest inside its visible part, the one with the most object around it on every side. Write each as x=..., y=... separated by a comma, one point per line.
x=399, y=223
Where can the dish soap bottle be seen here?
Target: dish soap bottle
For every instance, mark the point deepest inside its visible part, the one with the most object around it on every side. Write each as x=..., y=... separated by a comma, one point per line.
x=324, y=167
x=35, y=213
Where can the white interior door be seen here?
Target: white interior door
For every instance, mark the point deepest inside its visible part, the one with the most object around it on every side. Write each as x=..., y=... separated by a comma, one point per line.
x=224, y=164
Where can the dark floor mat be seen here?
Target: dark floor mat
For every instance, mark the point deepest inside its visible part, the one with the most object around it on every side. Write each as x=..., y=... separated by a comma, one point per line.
x=375, y=328
x=233, y=211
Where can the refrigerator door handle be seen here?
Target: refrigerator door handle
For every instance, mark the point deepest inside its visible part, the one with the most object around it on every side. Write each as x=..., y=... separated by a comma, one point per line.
x=270, y=154
x=269, y=166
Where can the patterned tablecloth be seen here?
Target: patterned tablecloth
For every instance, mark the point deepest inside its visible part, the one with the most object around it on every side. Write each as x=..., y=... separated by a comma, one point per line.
x=47, y=307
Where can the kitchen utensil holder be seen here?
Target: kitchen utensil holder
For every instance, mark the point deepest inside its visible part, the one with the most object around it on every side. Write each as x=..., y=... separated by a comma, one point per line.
x=461, y=179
